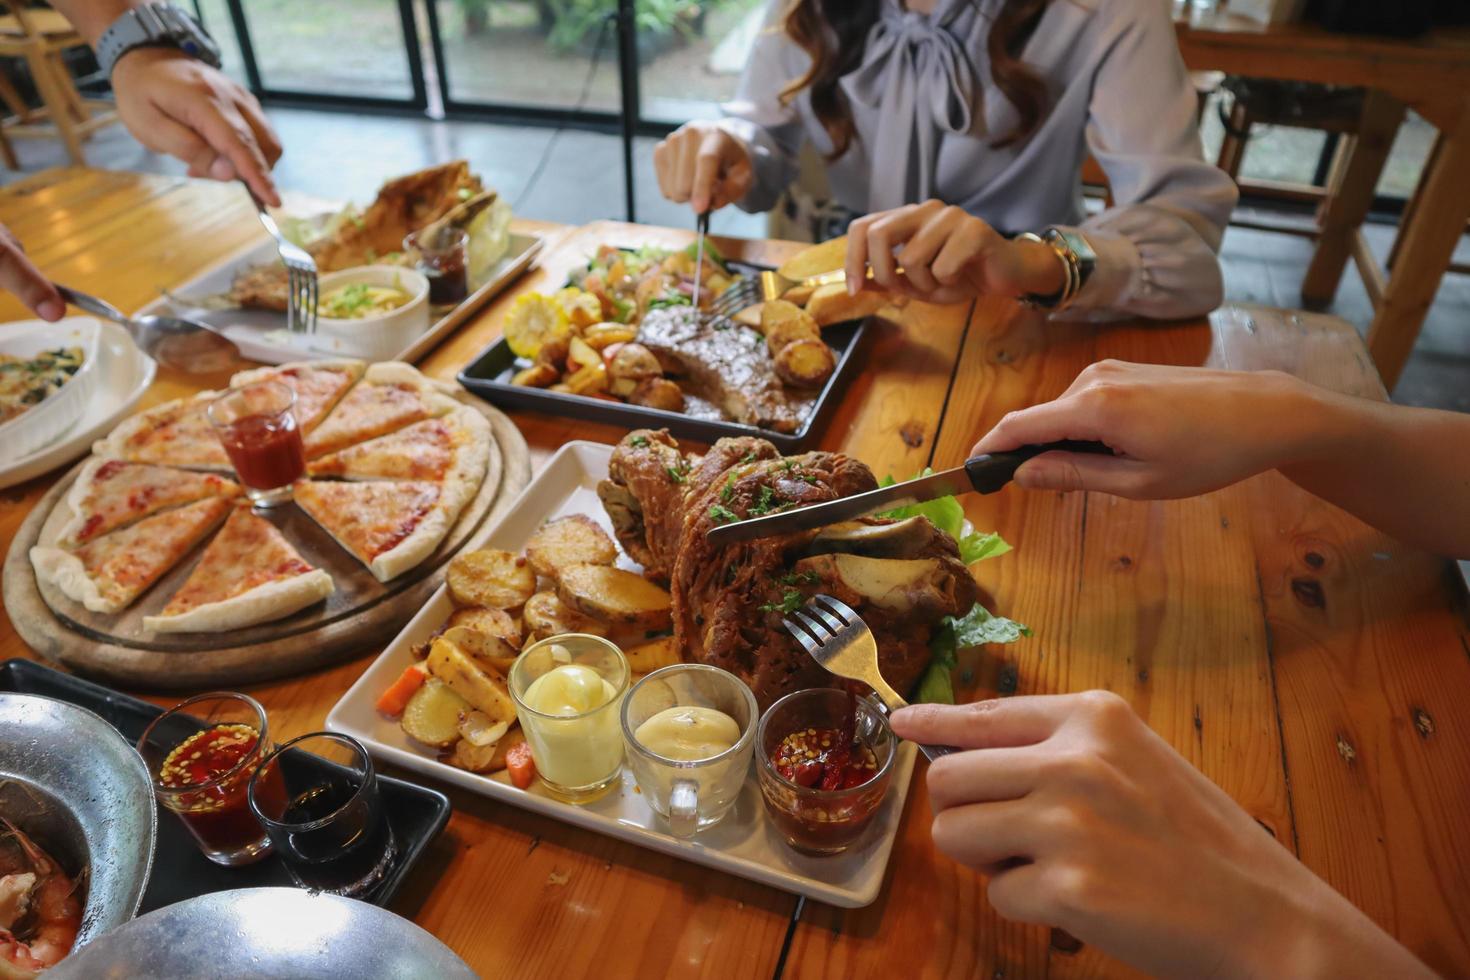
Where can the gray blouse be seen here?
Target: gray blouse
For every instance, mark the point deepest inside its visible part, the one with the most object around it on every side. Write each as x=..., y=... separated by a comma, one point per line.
x=927, y=114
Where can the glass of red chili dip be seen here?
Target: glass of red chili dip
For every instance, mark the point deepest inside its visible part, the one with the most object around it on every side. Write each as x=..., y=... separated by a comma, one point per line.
x=257, y=425
x=826, y=759
x=201, y=754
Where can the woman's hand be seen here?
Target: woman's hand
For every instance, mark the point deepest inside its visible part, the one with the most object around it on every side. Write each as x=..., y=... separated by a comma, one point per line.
x=1177, y=431
x=20, y=276
x=947, y=256
x=176, y=105
x=702, y=164
x=1086, y=820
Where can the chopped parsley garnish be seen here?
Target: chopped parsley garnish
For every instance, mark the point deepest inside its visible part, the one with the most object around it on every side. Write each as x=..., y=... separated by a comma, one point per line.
x=729, y=490
x=800, y=578
x=676, y=475
x=765, y=504
x=723, y=514
x=748, y=457
x=639, y=441
x=791, y=601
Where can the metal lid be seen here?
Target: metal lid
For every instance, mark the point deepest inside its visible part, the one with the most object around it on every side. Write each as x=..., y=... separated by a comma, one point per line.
x=266, y=933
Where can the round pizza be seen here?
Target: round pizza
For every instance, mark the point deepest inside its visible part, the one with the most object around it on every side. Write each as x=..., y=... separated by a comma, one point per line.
x=393, y=461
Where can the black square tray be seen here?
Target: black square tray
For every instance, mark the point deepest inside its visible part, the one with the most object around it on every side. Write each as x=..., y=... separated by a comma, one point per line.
x=179, y=870
x=489, y=374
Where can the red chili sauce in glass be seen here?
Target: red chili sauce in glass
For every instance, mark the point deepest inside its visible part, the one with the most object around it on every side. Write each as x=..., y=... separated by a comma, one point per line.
x=827, y=760
x=219, y=815
x=267, y=452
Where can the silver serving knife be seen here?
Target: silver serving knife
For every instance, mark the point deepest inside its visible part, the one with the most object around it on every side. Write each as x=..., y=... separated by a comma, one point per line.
x=983, y=474
x=701, y=227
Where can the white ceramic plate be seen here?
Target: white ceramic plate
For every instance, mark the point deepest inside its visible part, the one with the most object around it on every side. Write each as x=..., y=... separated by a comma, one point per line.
x=44, y=423
x=123, y=374
x=261, y=334
x=745, y=843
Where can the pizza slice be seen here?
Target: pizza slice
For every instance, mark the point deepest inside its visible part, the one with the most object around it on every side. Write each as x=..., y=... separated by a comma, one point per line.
x=107, y=574
x=319, y=385
x=392, y=395
x=454, y=448
x=389, y=526
x=176, y=433
x=110, y=493
x=248, y=574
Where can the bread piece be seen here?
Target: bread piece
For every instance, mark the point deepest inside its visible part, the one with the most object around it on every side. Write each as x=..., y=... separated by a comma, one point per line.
x=829, y=256
x=832, y=304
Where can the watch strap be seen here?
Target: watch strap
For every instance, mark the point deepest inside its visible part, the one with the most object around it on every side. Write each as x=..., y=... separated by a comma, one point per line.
x=155, y=25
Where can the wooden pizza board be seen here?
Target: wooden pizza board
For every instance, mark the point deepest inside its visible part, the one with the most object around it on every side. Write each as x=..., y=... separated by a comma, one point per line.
x=360, y=614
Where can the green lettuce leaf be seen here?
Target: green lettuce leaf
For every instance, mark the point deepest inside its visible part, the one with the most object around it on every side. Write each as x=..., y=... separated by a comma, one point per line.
x=980, y=626
x=978, y=547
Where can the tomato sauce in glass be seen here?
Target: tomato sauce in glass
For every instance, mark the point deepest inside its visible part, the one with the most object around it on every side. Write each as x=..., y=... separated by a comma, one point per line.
x=219, y=815
x=266, y=451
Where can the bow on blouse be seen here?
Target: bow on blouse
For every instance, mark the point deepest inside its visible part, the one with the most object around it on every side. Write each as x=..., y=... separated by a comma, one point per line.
x=917, y=80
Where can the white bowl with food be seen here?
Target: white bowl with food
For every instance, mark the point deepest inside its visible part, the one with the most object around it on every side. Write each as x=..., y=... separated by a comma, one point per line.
x=372, y=311
x=48, y=371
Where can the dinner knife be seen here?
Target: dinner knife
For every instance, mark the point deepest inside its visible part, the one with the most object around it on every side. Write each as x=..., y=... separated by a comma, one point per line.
x=986, y=473
x=701, y=227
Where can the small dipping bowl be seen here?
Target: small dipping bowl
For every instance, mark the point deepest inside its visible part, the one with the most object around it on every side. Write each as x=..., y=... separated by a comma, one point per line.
x=812, y=820
x=382, y=336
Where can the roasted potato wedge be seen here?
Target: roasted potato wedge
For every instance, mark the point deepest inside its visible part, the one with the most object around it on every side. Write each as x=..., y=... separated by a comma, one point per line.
x=590, y=380
x=546, y=615
x=829, y=256
x=658, y=393
x=485, y=690
x=554, y=353
x=432, y=714
x=778, y=314
x=581, y=355
x=573, y=540
x=471, y=757
x=645, y=658
x=614, y=595
x=536, y=376
x=497, y=579
x=490, y=651
x=483, y=619
x=631, y=364
x=603, y=335
x=805, y=363
x=832, y=304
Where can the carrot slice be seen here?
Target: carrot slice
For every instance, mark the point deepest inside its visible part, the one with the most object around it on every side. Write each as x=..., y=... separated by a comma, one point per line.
x=392, y=701
x=520, y=766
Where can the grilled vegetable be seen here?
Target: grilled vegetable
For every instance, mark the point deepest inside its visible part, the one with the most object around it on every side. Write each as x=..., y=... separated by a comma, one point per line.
x=546, y=615
x=571, y=540
x=497, y=579
x=614, y=596
x=432, y=714
x=536, y=376
x=392, y=701
x=484, y=690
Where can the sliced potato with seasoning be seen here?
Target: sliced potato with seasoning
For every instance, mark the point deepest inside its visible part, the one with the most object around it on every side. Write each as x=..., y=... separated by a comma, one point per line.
x=614, y=596
x=483, y=619
x=490, y=577
x=645, y=658
x=590, y=380
x=471, y=757
x=486, y=649
x=805, y=363
x=485, y=690
x=658, y=393
x=604, y=335
x=546, y=615
x=536, y=376
x=829, y=256
x=432, y=714
x=572, y=540
x=832, y=304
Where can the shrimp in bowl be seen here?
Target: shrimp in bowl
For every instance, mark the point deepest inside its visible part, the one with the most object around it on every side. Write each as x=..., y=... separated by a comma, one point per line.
x=40, y=910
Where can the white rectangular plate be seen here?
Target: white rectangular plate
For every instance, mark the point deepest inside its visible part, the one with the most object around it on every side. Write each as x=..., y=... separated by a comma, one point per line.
x=261, y=334
x=745, y=843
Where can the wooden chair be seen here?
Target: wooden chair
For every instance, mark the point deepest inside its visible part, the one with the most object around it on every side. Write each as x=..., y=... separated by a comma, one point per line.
x=40, y=38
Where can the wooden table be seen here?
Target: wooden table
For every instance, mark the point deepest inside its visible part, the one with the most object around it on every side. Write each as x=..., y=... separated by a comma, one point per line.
x=1430, y=75
x=1313, y=668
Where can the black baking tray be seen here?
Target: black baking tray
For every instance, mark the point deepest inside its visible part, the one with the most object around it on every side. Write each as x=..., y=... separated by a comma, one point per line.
x=417, y=814
x=489, y=374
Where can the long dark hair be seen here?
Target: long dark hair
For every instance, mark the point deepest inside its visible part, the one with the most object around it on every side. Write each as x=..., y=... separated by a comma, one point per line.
x=834, y=33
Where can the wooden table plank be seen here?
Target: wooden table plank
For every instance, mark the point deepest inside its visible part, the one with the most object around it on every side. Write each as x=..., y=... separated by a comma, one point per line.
x=1172, y=604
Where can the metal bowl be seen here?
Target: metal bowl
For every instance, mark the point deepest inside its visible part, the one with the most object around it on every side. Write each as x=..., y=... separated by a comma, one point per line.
x=266, y=934
x=76, y=787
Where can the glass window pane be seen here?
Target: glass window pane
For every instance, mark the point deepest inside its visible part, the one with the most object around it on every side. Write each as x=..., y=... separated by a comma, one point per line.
x=215, y=16
x=691, y=53
x=530, y=52
x=333, y=47
x=1406, y=162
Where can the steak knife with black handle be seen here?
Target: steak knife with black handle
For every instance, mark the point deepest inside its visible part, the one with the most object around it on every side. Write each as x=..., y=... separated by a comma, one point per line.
x=983, y=474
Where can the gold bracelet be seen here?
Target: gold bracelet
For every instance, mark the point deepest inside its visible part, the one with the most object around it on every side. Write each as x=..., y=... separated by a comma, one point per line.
x=1071, y=273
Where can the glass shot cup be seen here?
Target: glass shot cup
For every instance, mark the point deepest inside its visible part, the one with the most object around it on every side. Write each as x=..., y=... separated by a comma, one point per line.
x=813, y=820
x=690, y=794
x=444, y=259
x=578, y=756
x=328, y=824
x=201, y=755
x=256, y=423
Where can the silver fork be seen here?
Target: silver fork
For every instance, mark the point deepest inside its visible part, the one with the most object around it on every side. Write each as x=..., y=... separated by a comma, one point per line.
x=838, y=639
x=301, y=277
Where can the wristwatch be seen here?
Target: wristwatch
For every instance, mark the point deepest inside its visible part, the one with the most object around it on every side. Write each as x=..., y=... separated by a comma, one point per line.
x=155, y=25
x=1078, y=260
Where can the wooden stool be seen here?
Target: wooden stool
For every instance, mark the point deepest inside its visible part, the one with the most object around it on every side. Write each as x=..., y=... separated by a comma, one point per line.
x=40, y=38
